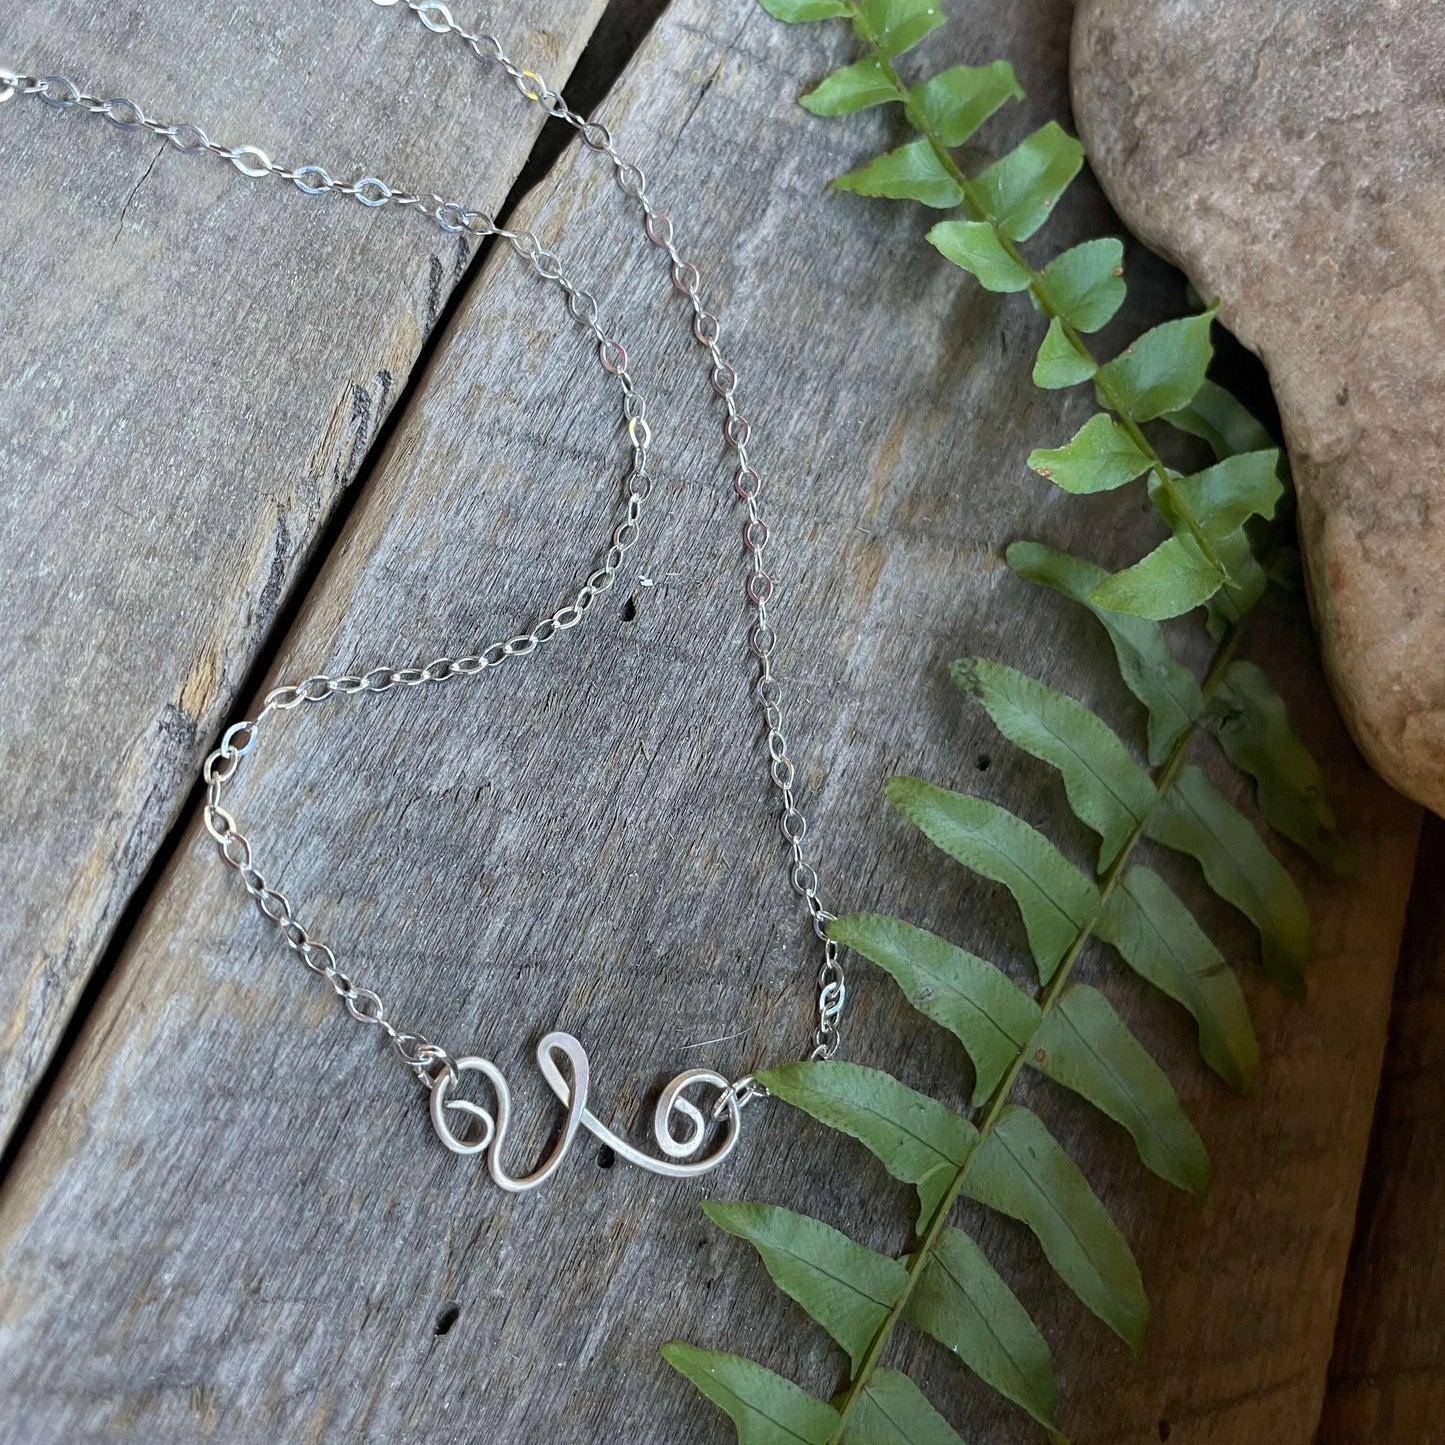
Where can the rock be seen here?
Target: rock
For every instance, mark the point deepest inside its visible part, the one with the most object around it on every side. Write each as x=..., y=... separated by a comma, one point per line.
x=1289, y=156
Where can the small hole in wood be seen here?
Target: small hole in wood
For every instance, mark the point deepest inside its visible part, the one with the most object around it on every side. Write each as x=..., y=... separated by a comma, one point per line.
x=983, y=763
x=447, y=1316
x=629, y=610
x=606, y=1157
x=1165, y=1430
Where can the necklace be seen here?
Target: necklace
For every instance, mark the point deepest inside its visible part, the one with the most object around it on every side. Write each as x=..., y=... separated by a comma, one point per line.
x=483, y=1130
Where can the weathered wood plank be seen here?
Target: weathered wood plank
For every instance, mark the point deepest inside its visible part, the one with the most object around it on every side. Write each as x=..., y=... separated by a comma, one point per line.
x=255, y=1239
x=1387, y=1379
x=191, y=370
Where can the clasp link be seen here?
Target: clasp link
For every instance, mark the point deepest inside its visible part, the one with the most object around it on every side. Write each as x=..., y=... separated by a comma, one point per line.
x=740, y=1092
x=10, y=84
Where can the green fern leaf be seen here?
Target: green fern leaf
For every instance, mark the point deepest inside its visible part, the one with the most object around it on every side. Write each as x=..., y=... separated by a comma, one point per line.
x=1010, y=1162
x=766, y=1408
x=1021, y=1170
x=1229, y=605
x=1222, y=420
x=1218, y=502
x=846, y=1287
x=854, y=87
x=1174, y=578
x=1085, y=1046
x=990, y=1016
x=1168, y=690
x=1194, y=817
x=914, y=1137
x=1161, y=371
x=1106, y=788
x=1018, y=192
x=894, y=26
x=1100, y=456
x=796, y=12
x=913, y=172
x=1158, y=938
x=957, y=101
x=1055, y=899
x=1059, y=362
x=975, y=246
x=961, y=1301
x=892, y=1410
x=1225, y=496
x=1085, y=285
x=1252, y=724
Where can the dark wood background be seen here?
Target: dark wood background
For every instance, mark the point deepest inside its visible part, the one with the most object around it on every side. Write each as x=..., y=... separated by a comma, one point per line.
x=247, y=435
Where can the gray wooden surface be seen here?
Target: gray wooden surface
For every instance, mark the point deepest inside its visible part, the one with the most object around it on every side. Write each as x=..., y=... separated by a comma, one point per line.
x=1387, y=1378
x=230, y=1219
x=191, y=372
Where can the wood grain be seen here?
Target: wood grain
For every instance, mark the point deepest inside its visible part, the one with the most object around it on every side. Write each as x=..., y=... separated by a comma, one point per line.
x=1387, y=1379
x=191, y=370
x=233, y=1221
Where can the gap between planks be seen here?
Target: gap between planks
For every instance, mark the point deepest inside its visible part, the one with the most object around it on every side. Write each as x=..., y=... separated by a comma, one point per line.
x=620, y=30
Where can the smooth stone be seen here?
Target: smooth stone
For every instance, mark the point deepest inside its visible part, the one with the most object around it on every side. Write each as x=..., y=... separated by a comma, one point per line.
x=1290, y=158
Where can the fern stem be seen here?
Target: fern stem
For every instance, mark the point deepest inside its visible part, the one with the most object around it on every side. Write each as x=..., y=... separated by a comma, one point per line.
x=1107, y=395
x=1163, y=779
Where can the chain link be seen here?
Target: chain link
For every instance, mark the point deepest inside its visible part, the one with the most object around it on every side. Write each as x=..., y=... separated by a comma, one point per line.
x=251, y=161
x=414, y=1050
x=747, y=483
x=428, y=1061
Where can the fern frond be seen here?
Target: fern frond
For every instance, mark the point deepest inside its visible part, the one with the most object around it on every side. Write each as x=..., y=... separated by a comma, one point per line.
x=892, y=26
x=913, y=172
x=915, y=1138
x=1023, y=1171
x=1000, y=1154
x=845, y=1286
x=892, y=1410
x=1160, y=939
x=1174, y=578
x=955, y=102
x=1084, y=286
x=1217, y=416
x=766, y=1408
x=977, y=1003
x=1100, y=456
x=1057, y=902
x=1106, y=788
x=1195, y=818
x=797, y=12
x=1084, y=1045
x=1151, y=671
x=963, y=1302
x=1251, y=722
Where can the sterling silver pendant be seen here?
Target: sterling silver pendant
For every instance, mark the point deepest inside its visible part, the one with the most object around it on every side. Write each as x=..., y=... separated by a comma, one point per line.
x=680, y=1162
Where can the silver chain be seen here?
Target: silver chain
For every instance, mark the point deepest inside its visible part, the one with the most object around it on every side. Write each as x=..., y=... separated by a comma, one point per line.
x=430, y=1061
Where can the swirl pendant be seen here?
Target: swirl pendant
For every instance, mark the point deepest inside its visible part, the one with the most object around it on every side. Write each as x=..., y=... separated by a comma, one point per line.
x=683, y=1155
